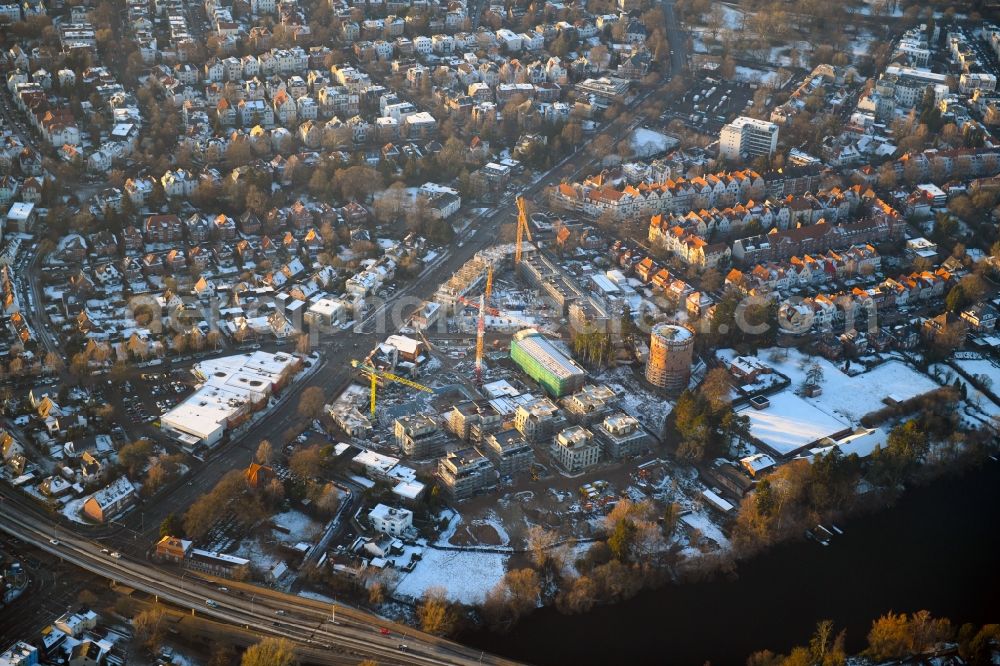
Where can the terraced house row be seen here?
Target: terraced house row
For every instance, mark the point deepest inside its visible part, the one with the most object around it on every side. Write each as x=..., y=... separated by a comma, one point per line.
x=879, y=222
x=603, y=195
x=807, y=270
x=827, y=310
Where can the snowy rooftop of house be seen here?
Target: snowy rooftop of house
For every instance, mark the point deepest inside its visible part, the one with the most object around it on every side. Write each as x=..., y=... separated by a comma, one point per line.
x=326, y=307
x=499, y=388
x=410, y=490
x=373, y=460
x=20, y=211
x=748, y=364
x=385, y=512
x=220, y=557
x=758, y=462
x=790, y=424
x=716, y=501
x=403, y=344
x=114, y=492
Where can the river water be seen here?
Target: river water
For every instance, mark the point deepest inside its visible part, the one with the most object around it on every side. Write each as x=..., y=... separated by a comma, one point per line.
x=937, y=548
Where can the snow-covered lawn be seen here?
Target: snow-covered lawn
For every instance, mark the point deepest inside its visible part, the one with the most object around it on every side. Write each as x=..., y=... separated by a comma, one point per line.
x=252, y=550
x=982, y=368
x=466, y=576
x=74, y=510
x=300, y=527
x=732, y=17
x=849, y=397
x=790, y=423
x=647, y=142
x=701, y=521
x=315, y=596
x=767, y=78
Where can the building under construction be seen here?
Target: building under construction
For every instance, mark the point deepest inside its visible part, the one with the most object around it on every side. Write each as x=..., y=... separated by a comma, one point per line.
x=472, y=274
x=555, y=372
x=671, y=351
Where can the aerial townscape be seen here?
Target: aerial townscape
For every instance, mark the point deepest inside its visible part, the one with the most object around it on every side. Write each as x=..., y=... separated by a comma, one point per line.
x=554, y=332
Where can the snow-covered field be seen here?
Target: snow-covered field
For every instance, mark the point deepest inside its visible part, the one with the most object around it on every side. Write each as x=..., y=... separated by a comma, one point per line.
x=701, y=521
x=466, y=576
x=300, y=527
x=646, y=142
x=315, y=596
x=981, y=368
x=73, y=511
x=732, y=17
x=849, y=397
x=763, y=77
x=252, y=550
x=790, y=423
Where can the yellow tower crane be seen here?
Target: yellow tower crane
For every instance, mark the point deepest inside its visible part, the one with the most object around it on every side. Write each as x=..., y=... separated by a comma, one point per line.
x=374, y=374
x=522, y=229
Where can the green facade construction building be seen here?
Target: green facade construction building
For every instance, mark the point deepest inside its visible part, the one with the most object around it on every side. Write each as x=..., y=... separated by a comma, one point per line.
x=546, y=364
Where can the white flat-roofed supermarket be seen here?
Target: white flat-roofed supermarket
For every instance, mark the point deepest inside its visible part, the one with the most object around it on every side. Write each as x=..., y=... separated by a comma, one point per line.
x=790, y=424
x=232, y=387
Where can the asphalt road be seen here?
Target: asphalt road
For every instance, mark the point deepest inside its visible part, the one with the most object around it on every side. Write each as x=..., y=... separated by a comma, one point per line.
x=135, y=533
x=308, y=623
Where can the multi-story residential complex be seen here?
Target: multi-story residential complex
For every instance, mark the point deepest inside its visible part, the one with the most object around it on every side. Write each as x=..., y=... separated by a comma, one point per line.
x=575, y=449
x=390, y=520
x=465, y=473
x=599, y=195
x=807, y=270
x=621, y=436
x=509, y=451
x=900, y=89
x=748, y=137
x=471, y=420
x=687, y=246
x=881, y=224
x=589, y=404
x=419, y=436
x=538, y=419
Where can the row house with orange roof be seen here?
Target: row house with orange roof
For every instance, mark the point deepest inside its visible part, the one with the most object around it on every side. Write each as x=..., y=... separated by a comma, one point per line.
x=595, y=197
x=687, y=246
x=917, y=286
x=729, y=220
x=808, y=270
x=880, y=223
x=855, y=305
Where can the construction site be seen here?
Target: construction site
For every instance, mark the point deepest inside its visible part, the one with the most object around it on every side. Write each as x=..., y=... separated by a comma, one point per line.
x=483, y=415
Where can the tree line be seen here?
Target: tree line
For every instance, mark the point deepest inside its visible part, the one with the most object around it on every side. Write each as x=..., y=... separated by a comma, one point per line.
x=893, y=637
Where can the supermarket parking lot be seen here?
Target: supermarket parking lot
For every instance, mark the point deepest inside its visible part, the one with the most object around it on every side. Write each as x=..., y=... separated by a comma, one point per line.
x=709, y=104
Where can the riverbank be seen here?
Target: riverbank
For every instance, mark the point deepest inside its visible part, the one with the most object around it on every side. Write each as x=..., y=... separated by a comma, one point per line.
x=934, y=549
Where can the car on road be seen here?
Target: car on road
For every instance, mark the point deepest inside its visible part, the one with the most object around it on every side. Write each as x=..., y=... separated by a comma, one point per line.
x=54, y=542
x=223, y=589
x=211, y=604
x=280, y=612
x=105, y=551
x=116, y=555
